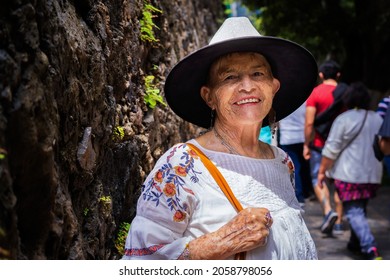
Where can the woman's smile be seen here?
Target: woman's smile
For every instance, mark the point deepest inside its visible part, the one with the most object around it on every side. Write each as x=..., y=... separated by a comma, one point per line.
x=248, y=101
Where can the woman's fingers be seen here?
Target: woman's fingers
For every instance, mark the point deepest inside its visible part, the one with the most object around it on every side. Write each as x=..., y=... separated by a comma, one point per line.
x=249, y=229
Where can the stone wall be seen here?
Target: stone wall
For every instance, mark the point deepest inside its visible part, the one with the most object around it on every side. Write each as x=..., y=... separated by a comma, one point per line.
x=76, y=137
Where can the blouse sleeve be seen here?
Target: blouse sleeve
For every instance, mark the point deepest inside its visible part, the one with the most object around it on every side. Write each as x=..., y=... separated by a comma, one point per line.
x=164, y=208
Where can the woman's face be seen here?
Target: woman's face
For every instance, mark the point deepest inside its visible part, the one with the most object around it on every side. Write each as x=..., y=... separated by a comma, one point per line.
x=241, y=88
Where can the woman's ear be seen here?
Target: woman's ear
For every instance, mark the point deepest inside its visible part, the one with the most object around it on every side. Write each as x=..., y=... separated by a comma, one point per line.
x=276, y=85
x=205, y=92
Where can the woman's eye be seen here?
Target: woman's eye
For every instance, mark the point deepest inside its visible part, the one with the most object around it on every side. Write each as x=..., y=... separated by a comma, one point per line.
x=230, y=77
x=258, y=74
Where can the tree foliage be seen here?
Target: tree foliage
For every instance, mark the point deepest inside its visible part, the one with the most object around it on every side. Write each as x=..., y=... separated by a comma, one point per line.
x=354, y=32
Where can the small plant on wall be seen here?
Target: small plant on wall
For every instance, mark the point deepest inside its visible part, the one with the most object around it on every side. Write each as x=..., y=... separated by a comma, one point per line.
x=121, y=237
x=147, y=25
x=118, y=133
x=152, y=92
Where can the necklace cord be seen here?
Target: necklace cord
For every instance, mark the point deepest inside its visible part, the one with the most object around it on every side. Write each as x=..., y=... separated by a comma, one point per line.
x=230, y=148
x=225, y=143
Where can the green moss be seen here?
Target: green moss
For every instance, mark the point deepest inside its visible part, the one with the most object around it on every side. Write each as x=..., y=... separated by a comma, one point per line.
x=86, y=211
x=105, y=199
x=3, y=153
x=121, y=237
x=118, y=133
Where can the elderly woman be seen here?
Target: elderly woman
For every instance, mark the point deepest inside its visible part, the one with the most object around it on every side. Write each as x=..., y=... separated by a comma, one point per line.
x=238, y=83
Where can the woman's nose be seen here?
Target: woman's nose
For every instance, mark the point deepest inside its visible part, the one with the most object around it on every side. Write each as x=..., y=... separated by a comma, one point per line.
x=246, y=84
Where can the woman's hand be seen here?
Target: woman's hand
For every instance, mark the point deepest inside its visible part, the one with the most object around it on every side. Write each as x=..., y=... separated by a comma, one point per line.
x=326, y=164
x=384, y=144
x=246, y=231
x=306, y=152
x=321, y=177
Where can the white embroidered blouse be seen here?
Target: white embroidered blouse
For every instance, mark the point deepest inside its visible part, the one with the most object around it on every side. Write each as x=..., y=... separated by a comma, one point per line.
x=180, y=201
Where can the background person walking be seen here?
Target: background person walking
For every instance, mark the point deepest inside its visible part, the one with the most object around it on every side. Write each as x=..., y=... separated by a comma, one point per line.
x=356, y=180
x=320, y=99
x=381, y=110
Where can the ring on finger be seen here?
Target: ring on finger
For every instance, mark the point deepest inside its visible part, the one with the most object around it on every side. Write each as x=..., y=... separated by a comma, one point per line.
x=268, y=219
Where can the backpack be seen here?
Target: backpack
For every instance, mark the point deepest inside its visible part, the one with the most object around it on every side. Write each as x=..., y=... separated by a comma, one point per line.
x=323, y=121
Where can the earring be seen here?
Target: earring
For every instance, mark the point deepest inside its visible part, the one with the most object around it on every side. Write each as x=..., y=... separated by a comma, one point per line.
x=212, y=119
x=272, y=122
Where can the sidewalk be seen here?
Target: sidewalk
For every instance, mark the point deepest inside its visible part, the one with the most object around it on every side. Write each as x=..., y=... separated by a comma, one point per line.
x=335, y=247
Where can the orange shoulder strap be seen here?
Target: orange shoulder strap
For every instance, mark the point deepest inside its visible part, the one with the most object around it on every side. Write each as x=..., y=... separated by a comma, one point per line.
x=218, y=177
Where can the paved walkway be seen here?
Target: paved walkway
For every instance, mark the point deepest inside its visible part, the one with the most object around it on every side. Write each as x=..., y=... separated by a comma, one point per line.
x=334, y=247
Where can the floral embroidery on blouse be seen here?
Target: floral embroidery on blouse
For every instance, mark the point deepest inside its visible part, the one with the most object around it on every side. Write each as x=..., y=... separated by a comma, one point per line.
x=143, y=251
x=287, y=161
x=169, y=181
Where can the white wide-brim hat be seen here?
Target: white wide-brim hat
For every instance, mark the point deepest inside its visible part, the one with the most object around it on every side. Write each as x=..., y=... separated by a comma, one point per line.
x=293, y=65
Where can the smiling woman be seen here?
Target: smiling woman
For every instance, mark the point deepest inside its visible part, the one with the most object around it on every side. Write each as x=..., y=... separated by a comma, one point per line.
x=234, y=84
x=241, y=88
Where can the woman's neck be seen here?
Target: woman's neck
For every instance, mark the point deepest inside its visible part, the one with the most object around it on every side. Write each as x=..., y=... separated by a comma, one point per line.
x=331, y=82
x=239, y=141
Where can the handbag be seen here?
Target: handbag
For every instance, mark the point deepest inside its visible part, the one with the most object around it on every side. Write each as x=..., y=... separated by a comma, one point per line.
x=377, y=150
x=218, y=177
